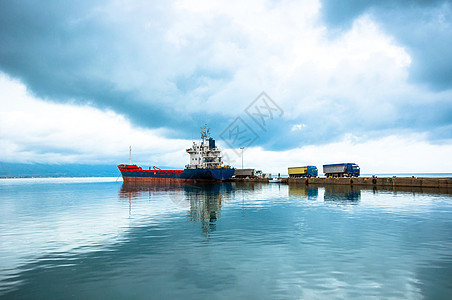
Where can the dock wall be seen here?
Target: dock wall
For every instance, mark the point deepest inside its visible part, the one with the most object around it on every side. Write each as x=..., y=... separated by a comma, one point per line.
x=422, y=182
x=417, y=182
x=266, y=180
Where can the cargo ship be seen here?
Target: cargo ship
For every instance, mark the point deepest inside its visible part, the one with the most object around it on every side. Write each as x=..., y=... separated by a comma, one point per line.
x=205, y=165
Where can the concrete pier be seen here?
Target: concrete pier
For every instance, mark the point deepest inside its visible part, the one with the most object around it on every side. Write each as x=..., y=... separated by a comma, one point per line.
x=265, y=180
x=417, y=182
x=422, y=182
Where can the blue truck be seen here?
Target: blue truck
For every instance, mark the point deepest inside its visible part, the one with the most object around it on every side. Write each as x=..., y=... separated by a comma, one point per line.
x=341, y=170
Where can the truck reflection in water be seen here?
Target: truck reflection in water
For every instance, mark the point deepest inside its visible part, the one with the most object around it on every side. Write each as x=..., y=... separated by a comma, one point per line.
x=248, y=186
x=342, y=194
x=203, y=201
x=303, y=191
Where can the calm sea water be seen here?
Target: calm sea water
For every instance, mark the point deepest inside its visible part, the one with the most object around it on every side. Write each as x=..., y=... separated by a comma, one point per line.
x=97, y=238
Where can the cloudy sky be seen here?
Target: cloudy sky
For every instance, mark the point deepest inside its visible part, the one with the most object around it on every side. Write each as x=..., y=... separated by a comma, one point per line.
x=362, y=81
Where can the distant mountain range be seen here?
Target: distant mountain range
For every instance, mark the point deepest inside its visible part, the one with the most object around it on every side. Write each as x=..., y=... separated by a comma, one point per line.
x=57, y=170
x=60, y=170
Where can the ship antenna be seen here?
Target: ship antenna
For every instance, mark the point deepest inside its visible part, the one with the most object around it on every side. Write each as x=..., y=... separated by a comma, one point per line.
x=130, y=155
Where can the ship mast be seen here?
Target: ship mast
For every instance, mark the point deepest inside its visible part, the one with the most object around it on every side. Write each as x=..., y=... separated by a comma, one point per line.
x=130, y=155
x=205, y=132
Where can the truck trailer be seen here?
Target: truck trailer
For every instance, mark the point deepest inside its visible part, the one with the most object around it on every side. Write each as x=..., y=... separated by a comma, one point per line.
x=244, y=173
x=306, y=171
x=341, y=170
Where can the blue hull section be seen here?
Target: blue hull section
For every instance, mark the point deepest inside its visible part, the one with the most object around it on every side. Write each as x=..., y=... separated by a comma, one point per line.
x=188, y=174
x=215, y=174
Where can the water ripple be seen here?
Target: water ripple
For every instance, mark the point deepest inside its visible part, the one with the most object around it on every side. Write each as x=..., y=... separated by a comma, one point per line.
x=91, y=238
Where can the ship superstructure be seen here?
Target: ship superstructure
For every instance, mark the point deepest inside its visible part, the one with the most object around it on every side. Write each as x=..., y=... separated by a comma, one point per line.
x=204, y=154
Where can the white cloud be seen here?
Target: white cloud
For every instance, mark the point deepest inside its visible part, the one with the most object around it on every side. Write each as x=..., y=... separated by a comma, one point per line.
x=298, y=127
x=33, y=130
x=284, y=50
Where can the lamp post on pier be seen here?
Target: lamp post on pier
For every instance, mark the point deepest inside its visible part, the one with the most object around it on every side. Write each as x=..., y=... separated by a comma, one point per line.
x=242, y=155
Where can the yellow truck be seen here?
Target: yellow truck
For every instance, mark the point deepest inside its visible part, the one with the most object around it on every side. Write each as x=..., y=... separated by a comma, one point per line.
x=306, y=171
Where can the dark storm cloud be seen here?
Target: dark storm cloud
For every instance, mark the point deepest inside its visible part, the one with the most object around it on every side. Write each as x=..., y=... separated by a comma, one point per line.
x=423, y=26
x=72, y=52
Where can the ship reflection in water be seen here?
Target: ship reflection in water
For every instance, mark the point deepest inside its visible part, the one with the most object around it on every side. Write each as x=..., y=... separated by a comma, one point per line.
x=203, y=201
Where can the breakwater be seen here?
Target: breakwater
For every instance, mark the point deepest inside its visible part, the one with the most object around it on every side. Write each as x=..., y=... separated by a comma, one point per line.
x=421, y=182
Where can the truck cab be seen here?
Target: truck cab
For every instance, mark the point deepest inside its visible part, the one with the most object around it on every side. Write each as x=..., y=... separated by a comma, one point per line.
x=353, y=170
x=312, y=171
